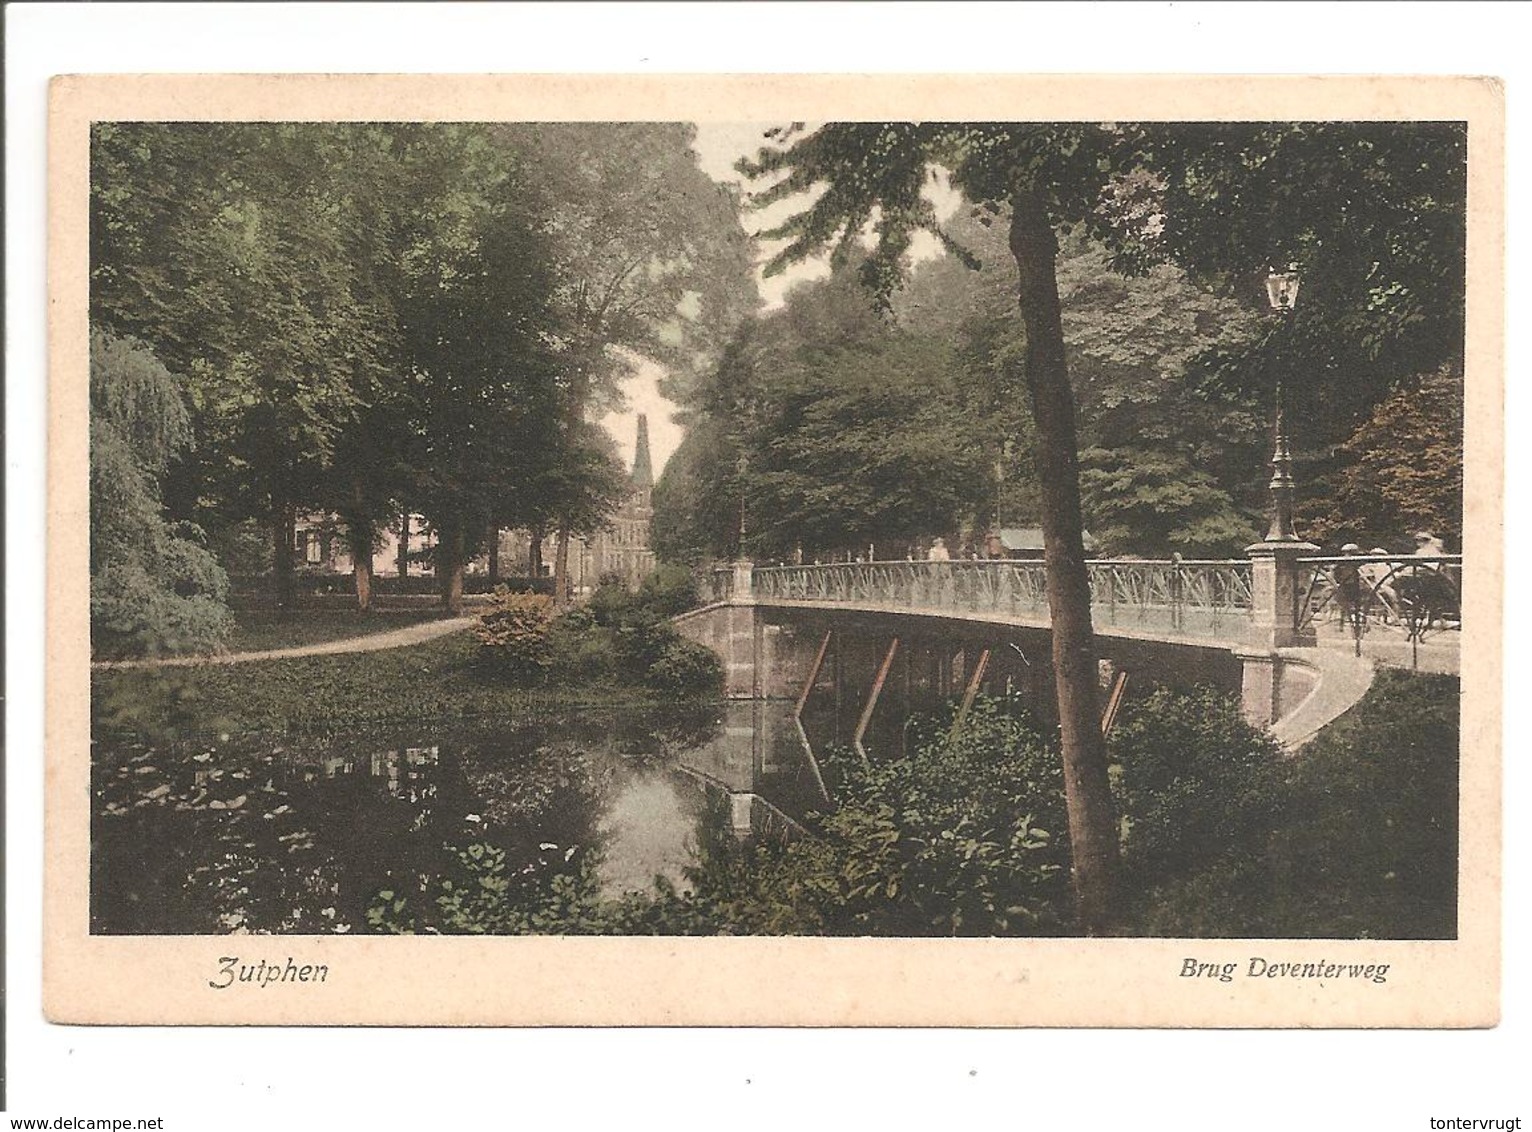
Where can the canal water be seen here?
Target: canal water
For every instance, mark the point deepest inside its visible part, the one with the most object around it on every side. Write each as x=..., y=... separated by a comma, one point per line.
x=300, y=834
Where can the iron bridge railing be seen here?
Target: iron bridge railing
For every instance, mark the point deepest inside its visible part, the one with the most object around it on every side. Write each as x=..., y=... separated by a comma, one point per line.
x=1187, y=597
x=1416, y=599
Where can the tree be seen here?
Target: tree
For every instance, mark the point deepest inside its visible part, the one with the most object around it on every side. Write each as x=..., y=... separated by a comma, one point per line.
x=580, y=482
x=1374, y=215
x=694, y=519
x=1403, y=469
x=873, y=175
x=1373, y=211
x=480, y=338
x=840, y=430
x=154, y=585
x=1183, y=457
x=238, y=251
x=1146, y=501
x=652, y=261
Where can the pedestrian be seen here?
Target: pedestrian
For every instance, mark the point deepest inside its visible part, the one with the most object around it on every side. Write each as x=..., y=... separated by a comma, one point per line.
x=938, y=552
x=1427, y=545
x=1378, y=575
x=1348, y=585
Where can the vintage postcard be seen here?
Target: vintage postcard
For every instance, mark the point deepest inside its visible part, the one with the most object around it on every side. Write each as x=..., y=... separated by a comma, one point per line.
x=767, y=550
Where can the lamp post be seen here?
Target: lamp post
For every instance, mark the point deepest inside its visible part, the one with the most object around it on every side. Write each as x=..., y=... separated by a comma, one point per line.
x=1282, y=294
x=1276, y=562
x=742, y=467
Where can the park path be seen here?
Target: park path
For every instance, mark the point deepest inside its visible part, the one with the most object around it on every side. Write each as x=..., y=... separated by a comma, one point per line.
x=372, y=642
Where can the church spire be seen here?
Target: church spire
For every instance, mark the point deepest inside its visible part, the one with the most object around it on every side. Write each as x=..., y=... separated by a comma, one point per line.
x=643, y=472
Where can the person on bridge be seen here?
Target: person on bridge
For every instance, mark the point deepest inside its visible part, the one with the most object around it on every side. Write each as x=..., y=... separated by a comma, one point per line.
x=1428, y=545
x=938, y=552
x=1377, y=575
x=1348, y=585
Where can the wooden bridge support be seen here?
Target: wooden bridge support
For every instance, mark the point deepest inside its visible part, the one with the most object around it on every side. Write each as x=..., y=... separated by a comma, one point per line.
x=872, y=698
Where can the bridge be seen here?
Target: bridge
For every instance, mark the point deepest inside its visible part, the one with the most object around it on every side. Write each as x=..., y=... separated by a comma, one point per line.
x=1298, y=635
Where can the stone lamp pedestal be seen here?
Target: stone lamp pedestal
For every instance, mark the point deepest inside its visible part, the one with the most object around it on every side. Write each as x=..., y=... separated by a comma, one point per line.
x=1277, y=589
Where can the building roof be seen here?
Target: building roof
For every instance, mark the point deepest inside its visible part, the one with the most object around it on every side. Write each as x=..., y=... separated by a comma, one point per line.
x=1031, y=538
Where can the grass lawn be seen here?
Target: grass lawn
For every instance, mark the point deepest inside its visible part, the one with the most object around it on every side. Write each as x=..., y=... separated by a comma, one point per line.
x=434, y=680
x=256, y=630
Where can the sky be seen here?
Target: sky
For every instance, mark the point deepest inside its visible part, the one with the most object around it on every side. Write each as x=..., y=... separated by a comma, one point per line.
x=718, y=146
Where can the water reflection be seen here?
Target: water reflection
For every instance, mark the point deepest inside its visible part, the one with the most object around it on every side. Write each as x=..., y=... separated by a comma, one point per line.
x=300, y=834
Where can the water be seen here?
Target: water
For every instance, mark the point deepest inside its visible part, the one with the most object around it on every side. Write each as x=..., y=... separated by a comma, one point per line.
x=301, y=834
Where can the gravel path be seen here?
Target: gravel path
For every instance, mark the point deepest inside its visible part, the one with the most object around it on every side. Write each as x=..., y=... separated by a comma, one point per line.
x=373, y=642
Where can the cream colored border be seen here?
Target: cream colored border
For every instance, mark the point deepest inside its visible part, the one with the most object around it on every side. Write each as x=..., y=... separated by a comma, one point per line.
x=552, y=981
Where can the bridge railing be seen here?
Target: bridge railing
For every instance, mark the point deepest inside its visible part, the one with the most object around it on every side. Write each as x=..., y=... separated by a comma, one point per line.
x=718, y=584
x=1189, y=597
x=1416, y=599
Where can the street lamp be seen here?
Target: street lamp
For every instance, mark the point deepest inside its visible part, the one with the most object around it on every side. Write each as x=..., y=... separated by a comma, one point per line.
x=1282, y=294
x=742, y=468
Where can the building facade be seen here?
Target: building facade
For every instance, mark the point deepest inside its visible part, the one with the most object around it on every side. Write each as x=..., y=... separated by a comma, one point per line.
x=621, y=551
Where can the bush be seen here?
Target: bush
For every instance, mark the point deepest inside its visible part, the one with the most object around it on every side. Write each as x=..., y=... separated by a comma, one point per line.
x=1354, y=836
x=612, y=604
x=668, y=591
x=1372, y=850
x=154, y=586
x=1195, y=783
x=963, y=837
x=687, y=668
x=581, y=651
x=513, y=635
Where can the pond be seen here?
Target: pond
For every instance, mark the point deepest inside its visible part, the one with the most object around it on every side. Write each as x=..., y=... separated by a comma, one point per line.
x=300, y=834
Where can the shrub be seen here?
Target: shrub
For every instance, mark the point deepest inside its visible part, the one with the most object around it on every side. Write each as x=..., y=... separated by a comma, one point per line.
x=962, y=837
x=1372, y=850
x=687, y=668
x=1195, y=783
x=1354, y=836
x=668, y=591
x=154, y=586
x=581, y=651
x=612, y=604
x=513, y=635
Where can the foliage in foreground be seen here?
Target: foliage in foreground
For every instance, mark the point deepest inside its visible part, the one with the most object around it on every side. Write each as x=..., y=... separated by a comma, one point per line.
x=1355, y=837
x=966, y=836
x=1222, y=837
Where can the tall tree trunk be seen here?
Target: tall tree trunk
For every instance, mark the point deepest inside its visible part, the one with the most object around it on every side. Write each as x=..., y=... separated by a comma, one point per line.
x=284, y=522
x=404, y=545
x=561, y=569
x=494, y=556
x=1088, y=799
x=449, y=565
x=535, y=552
x=359, y=538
